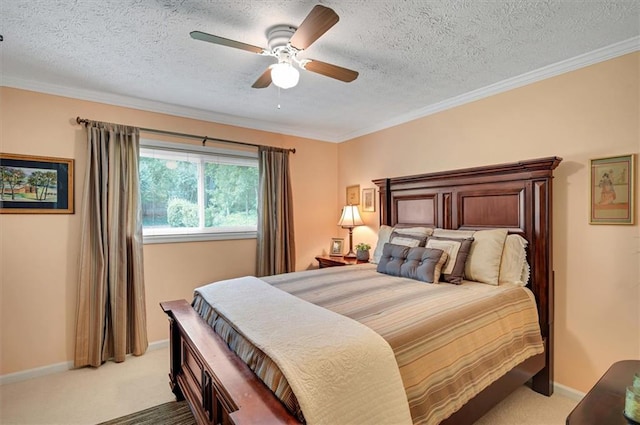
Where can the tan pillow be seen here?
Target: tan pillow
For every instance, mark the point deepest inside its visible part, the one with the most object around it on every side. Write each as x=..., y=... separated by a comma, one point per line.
x=483, y=263
x=414, y=231
x=407, y=239
x=384, y=234
x=457, y=250
x=513, y=266
x=453, y=234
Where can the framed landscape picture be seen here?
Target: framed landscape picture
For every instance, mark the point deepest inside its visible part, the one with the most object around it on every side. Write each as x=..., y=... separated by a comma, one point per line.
x=35, y=185
x=612, y=191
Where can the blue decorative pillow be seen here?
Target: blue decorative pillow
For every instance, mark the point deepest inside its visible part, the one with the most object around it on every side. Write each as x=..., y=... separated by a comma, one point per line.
x=418, y=263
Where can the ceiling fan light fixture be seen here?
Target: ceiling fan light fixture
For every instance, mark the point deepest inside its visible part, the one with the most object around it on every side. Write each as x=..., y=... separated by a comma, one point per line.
x=284, y=75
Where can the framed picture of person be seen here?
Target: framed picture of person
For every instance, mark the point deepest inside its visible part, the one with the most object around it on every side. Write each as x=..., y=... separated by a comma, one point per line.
x=612, y=191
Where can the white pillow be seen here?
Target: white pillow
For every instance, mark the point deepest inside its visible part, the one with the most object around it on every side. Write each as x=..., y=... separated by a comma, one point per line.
x=457, y=251
x=526, y=271
x=383, y=237
x=513, y=266
x=410, y=242
x=483, y=263
x=453, y=234
x=422, y=232
x=448, y=246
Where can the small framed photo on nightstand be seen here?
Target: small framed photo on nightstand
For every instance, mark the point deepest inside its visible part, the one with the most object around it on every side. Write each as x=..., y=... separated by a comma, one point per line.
x=336, y=247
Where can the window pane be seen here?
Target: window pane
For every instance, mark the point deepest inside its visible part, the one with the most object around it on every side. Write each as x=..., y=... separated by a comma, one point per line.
x=169, y=191
x=231, y=195
x=197, y=193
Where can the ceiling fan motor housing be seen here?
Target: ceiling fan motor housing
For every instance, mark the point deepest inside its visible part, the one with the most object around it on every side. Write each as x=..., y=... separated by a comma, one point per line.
x=279, y=36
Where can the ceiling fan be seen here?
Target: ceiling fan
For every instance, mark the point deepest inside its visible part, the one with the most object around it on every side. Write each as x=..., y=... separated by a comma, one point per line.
x=285, y=43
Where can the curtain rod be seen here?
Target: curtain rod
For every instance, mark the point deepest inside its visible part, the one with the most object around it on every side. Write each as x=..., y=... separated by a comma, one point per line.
x=190, y=136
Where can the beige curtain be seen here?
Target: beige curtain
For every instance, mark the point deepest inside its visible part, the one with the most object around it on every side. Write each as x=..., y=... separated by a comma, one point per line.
x=111, y=316
x=276, y=246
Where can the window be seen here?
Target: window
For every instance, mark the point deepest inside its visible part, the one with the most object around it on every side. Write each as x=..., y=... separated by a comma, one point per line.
x=197, y=193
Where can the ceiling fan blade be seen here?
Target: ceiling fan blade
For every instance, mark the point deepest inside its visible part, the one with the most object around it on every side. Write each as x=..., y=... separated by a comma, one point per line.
x=317, y=22
x=264, y=80
x=203, y=36
x=333, y=71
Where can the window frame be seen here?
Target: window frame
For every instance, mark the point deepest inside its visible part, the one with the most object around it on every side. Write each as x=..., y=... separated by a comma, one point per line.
x=192, y=234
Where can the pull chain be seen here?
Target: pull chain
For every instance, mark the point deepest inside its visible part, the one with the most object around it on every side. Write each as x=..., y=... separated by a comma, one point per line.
x=278, y=97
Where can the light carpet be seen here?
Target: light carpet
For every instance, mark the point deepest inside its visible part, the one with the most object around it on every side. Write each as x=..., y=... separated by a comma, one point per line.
x=91, y=396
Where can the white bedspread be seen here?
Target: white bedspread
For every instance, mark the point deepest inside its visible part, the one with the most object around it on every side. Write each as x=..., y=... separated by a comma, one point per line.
x=341, y=371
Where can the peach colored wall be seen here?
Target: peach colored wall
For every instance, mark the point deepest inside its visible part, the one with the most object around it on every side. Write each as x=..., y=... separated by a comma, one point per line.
x=39, y=253
x=589, y=113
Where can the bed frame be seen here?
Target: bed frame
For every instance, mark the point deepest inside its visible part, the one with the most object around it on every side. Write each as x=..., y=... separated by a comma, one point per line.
x=221, y=389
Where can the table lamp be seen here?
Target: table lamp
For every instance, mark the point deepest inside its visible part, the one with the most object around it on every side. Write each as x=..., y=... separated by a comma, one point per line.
x=350, y=219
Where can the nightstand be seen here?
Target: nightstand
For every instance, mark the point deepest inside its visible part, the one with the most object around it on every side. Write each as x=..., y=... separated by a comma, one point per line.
x=604, y=403
x=330, y=261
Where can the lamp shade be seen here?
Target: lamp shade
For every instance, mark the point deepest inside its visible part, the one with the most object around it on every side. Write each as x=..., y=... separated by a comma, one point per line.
x=284, y=75
x=350, y=217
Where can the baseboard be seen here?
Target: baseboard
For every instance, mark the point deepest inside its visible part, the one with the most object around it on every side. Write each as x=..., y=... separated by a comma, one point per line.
x=64, y=366
x=567, y=392
x=59, y=367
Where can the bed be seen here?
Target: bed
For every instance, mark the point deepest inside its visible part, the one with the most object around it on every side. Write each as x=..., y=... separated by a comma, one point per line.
x=516, y=197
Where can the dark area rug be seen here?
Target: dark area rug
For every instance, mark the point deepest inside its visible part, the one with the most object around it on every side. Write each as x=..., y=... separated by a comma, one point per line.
x=172, y=413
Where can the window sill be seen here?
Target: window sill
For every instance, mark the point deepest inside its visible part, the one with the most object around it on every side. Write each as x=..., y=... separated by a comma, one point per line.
x=198, y=237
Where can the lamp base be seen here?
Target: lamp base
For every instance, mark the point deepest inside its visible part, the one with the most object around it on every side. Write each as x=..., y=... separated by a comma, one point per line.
x=350, y=254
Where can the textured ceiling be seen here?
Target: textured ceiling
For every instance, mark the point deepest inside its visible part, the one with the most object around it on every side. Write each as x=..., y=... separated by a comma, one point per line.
x=410, y=54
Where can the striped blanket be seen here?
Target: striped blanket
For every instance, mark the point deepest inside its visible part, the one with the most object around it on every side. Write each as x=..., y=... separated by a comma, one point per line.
x=340, y=370
x=450, y=341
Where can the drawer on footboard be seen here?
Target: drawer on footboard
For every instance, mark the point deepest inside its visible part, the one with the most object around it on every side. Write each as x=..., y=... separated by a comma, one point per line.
x=192, y=371
x=201, y=390
x=220, y=388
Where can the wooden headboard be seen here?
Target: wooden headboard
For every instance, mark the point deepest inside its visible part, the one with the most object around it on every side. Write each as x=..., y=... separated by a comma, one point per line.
x=516, y=196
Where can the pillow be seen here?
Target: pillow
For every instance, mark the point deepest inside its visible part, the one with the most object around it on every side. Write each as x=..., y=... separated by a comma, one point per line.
x=383, y=237
x=414, y=231
x=407, y=239
x=418, y=263
x=457, y=252
x=514, y=266
x=392, y=258
x=483, y=262
x=526, y=271
x=454, y=234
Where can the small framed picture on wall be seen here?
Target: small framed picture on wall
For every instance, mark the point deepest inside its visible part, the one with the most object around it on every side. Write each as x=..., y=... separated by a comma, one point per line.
x=612, y=192
x=35, y=184
x=369, y=200
x=353, y=195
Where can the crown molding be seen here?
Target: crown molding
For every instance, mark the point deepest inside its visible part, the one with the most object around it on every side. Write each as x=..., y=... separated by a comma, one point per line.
x=600, y=55
x=159, y=107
